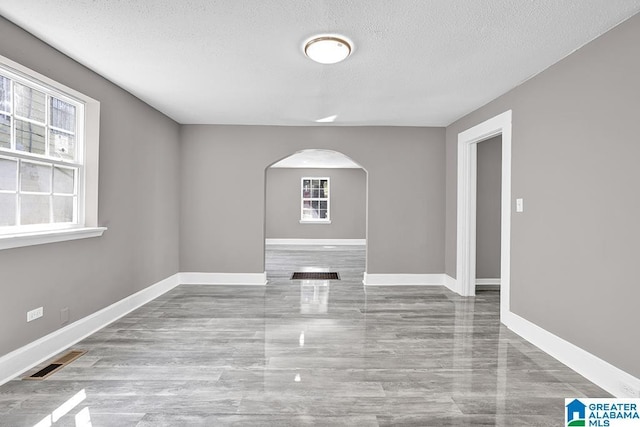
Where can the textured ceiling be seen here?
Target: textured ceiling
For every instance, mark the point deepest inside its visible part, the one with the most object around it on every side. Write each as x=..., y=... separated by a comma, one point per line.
x=415, y=62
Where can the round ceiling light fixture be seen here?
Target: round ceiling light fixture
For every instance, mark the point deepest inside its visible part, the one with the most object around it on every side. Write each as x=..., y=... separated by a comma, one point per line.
x=327, y=49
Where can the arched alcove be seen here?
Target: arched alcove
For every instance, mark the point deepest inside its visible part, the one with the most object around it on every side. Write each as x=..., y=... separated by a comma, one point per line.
x=285, y=209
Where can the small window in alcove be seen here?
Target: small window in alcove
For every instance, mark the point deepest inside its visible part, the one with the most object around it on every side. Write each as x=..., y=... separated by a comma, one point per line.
x=315, y=202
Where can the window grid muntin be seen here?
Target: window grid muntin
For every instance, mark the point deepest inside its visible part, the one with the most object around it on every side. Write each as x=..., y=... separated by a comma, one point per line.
x=9, y=113
x=14, y=154
x=18, y=77
x=51, y=194
x=10, y=101
x=312, y=199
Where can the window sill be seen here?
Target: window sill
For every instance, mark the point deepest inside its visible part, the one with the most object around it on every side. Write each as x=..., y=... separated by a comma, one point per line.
x=315, y=221
x=9, y=241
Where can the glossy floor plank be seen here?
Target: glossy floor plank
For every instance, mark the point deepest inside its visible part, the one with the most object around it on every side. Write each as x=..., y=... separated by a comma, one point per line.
x=304, y=353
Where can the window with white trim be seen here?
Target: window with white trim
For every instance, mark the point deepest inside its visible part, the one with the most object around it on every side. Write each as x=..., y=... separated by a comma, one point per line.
x=315, y=200
x=43, y=158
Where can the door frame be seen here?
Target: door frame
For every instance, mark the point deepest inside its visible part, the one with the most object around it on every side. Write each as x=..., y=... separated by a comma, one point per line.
x=466, y=220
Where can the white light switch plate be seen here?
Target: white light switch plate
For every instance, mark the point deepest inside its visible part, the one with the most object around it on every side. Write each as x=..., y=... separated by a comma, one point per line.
x=519, y=205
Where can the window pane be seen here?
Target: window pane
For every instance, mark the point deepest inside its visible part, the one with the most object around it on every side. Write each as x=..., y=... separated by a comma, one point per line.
x=7, y=209
x=34, y=209
x=29, y=137
x=325, y=188
x=63, y=208
x=62, y=145
x=30, y=103
x=5, y=131
x=5, y=94
x=63, y=180
x=63, y=115
x=306, y=188
x=315, y=204
x=35, y=177
x=8, y=169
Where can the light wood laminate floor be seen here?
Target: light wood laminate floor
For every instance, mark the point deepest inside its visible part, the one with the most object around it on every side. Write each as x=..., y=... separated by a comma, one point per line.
x=304, y=353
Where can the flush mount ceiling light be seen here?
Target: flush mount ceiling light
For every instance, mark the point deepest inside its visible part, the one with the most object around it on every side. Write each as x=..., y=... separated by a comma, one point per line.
x=327, y=49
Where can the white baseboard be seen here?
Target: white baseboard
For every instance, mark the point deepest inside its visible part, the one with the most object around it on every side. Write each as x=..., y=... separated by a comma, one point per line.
x=451, y=283
x=488, y=281
x=350, y=242
x=612, y=379
x=403, y=279
x=36, y=352
x=254, y=279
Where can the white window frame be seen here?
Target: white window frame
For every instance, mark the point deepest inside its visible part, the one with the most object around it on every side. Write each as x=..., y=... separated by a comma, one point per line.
x=326, y=220
x=87, y=146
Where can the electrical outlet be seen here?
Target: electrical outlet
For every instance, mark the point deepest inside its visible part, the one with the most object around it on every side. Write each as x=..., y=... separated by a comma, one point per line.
x=35, y=314
x=629, y=390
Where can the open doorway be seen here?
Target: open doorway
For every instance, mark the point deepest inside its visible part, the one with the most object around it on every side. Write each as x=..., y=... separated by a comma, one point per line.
x=315, y=213
x=489, y=176
x=467, y=205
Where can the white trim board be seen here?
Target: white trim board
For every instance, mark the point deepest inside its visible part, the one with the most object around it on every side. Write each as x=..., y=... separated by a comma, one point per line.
x=612, y=379
x=350, y=242
x=403, y=279
x=603, y=374
x=18, y=240
x=466, y=209
x=251, y=279
x=495, y=281
x=43, y=349
x=451, y=283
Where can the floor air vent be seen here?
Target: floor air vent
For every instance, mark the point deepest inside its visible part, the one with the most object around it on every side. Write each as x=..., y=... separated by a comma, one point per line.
x=56, y=365
x=312, y=275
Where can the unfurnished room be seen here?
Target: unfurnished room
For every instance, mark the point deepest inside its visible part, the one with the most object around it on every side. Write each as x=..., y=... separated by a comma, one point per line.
x=331, y=213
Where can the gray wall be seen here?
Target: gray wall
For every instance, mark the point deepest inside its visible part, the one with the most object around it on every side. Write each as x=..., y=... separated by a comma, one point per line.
x=223, y=190
x=138, y=201
x=488, y=208
x=348, y=191
x=574, y=252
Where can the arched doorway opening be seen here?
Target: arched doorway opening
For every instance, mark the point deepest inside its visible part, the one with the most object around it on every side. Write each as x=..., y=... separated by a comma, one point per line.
x=315, y=198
